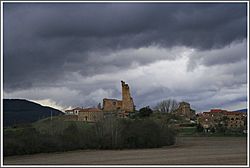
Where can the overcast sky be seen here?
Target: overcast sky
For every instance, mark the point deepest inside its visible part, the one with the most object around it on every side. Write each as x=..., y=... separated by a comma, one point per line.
x=76, y=54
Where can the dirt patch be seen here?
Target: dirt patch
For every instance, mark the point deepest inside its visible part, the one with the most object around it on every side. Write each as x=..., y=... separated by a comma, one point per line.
x=187, y=151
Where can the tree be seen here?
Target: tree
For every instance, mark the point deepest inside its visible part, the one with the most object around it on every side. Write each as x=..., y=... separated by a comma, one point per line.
x=166, y=106
x=145, y=111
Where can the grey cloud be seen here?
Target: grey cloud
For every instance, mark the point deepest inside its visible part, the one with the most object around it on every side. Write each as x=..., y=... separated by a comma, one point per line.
x=46, y=44
x=202, y=91
x=230, y=54
x=42, y=39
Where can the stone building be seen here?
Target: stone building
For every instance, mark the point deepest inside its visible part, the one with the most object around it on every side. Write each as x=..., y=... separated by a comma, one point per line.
x=229, y=119
x=124, y=106
x=83, y=114
x=111, y=105
x=235, y=119
x=185, y=110
x=90, y=115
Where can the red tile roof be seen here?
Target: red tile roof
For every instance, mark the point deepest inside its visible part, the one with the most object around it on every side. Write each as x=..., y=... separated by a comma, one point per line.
x=225, y=112
x=217, y=110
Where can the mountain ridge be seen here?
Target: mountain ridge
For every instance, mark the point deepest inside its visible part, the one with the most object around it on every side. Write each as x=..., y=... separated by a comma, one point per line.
x=22, y=111
x=241, y=110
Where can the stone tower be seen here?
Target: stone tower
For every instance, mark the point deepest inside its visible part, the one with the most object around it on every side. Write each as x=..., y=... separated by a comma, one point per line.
x=127, y=100
x=185, y=110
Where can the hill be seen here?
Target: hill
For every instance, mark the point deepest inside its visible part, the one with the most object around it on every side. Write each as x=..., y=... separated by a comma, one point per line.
x=19, y=111
x=242, y=110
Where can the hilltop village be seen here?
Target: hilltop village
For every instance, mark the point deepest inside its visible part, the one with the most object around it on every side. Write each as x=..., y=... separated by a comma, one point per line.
x=120, y=108
x=125, y=107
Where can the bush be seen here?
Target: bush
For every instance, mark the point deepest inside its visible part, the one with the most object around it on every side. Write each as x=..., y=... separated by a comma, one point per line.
x=145, y=112
x=141, y=134
x=110, y=133
x=138, y=133
x=21, y=141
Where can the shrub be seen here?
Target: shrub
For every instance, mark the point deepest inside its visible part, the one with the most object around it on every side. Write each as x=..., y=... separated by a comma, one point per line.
x=110, y=133
x=145, y=112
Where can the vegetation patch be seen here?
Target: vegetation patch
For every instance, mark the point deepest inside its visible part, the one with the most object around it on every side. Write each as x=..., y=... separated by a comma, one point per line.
x=111, y=133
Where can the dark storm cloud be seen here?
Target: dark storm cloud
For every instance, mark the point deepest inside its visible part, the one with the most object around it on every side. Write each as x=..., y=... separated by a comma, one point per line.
x=43, y=42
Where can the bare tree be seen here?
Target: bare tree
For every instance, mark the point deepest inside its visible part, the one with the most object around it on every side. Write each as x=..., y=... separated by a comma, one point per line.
x=166, y=106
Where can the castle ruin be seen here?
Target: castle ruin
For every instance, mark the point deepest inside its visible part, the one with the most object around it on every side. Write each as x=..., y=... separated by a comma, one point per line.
x=125, y=105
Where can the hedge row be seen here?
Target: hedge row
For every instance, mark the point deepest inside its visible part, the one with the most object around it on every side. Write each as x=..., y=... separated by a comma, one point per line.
x=108, y=134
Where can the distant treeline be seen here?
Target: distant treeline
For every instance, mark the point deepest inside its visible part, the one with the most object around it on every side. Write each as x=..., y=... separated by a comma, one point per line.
x=110, y=133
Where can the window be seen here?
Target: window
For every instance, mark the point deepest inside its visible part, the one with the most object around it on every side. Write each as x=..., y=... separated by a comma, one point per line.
x=114, y=103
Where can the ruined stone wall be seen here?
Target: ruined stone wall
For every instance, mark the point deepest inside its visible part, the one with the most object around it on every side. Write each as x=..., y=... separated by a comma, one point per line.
x=111, y=105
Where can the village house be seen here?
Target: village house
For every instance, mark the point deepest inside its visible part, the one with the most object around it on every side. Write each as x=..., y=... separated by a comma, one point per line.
x=236, y=119
x=84, y=114
x=90, y=115
x=230, y=120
